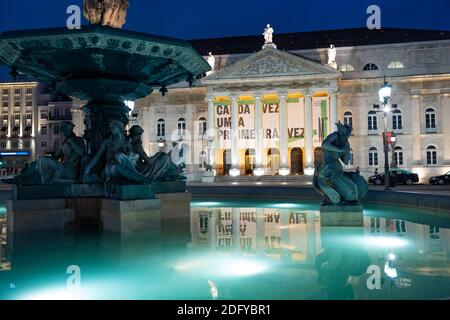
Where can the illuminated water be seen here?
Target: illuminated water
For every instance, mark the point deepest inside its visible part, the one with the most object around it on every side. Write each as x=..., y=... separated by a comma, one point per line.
x=276, y=251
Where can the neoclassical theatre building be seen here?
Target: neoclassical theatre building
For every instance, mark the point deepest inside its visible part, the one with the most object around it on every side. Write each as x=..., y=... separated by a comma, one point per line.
x=265, y=108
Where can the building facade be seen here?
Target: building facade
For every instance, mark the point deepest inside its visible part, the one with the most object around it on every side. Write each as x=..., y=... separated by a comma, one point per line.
x=266, y=111
x=18, y=128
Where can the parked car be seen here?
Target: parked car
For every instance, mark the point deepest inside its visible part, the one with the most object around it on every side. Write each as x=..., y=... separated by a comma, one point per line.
x=442, y=179
x=398, y=176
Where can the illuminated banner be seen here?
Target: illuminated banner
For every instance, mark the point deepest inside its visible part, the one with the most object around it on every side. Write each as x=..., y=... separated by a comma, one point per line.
x=15, y=154
x=320, y=120
x=296, y=120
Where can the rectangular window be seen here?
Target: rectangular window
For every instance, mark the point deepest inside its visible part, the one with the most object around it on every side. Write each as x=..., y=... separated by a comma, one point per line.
x=14, y=144
x=29, y=90
x=16, y=104
x=431, y=157
x=3, y=144
x=27, y=144
x=29, y=103
x=44, y=115
x=56, y=129
x=17, y=91
x=5, y=91
x=43, y=144
x=43, y=130
x=5, y=104
x=372, y=124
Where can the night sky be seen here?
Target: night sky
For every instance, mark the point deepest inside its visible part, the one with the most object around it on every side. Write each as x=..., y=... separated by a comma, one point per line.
x=191, y=19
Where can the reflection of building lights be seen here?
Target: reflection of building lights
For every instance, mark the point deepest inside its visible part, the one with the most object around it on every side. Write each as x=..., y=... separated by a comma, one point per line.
x=206, y=204
x=390, y=271
x=259, y=183
x=213, y=290
x=391, y=256
x=234, y=183
x=223, y=266
x=284, y=171
x=384, y=242
x=309, y=171
x=285, y=205
x=56, y=293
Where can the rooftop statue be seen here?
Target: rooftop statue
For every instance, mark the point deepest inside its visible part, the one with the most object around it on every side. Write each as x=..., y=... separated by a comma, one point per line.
x=63, y=167
x=331, y=54
x=268, y=34
x=212, y=62
x=110, y=13
x=156, y=168
x=338, y=187
x=121, y=161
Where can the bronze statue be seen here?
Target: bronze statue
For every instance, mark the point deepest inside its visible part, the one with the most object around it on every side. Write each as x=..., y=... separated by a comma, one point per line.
x=159, y=167
x=121, y=161
x=337, y=186
x=63, y=167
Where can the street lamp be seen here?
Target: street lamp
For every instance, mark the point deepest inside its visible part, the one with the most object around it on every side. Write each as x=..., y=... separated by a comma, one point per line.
x=385, y=95
x=209, y=142
x=161, y=144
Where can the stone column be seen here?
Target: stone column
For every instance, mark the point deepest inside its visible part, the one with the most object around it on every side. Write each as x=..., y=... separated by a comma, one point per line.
x=259, y=157
x=333, y=110
x=211, y=130
x=235, y=169
x=308, y=134
x=284, y=166
x=416, y=145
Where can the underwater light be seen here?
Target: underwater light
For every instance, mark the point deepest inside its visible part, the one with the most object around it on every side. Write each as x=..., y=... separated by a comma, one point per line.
x=58, y=293
x=207, y=203
x=385, y=242
x=213, y=265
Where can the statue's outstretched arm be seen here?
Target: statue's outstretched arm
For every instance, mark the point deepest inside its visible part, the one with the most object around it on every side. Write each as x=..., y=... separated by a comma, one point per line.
x=328, y=143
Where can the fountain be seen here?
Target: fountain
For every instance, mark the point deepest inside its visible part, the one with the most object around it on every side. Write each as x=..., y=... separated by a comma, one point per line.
x=105, y=174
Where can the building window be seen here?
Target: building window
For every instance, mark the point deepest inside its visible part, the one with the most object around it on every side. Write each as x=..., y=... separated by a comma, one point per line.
x=56, y=129
x=431, y=155
x=430, y=120
x=44, y=115
x=17, y=91
x=161, y=128
x=370, y=67
x=3, y=144
x=5, y=120
x=28, y=119
x=5, y=104
x=373, y=156
x=181, y=127
x=434, y=233
x=350, y=160
x=43, y=144
x=15, y=144
x=372, y=121
x=56, y=145
x=395, y=65
x=27, y=144
x=398, y=156
x=29, y=103
x=346, y=68
x=29, y=90
x=5, y=92
x=16, y=104
x=44, y=130
x=348, y=119
x=201, y=126
x=397, y=120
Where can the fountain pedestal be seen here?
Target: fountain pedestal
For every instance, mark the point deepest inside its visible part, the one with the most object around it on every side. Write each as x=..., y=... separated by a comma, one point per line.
x=341, y=215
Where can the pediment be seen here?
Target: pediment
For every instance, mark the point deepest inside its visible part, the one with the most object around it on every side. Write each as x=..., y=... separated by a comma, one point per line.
x=271, y=62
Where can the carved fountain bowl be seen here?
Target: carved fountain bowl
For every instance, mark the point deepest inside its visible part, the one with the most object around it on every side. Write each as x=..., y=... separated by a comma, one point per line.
x=99, y=62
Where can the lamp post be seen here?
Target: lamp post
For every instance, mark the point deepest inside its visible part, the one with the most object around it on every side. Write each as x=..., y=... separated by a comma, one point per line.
x=385, y=95
x=209, y=142
x=161, y=143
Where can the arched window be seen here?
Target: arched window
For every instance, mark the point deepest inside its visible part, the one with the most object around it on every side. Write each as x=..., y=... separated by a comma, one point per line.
x=370, y=67
x=181, y=127
x=430, y=119
x=397, y=120
x=395, y=65
x=201, y=126
x=161, y=128
x=398, y=156
x=348, y=118
x=372, y=121
x=346, y=68
x=431, y=155
x=202, y=161
x=373, y=156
